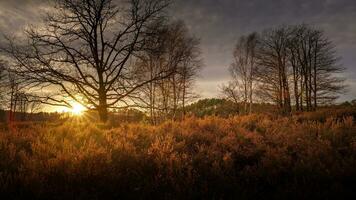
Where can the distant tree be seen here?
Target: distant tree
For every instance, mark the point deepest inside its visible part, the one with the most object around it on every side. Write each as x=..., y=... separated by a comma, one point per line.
x=85, y=51
x=13, y=94
x=212, y=107
x=34, y=105
x=174, y=49
x=346, y=103
x=14, y=97
x=285, y=63
x=273, y=67
x=231, y=92
x=243, y=71
x=315, y=66
x=188, y=71
x=353, y=102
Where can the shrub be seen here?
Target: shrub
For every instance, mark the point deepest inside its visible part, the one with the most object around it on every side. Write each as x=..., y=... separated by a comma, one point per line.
x=255, y=156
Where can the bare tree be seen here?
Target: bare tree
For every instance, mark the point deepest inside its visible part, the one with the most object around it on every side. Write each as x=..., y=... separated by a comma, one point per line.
x=13, y=93
x=182, y=82
x=273, y=67
x=189, y=71
x=284, y=63
x=231, y=92
x=243, y=71
x=86, y=52
x=314, y=63
x=164, y=51
x=178, y=50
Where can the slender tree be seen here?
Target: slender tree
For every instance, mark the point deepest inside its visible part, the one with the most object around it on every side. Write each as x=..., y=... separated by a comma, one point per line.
x=14, y=87
x=178, y=50
x=243, y=71
x=273, y=70
x=2, y=81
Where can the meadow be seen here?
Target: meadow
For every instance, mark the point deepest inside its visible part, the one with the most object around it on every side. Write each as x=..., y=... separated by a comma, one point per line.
x=259, y=156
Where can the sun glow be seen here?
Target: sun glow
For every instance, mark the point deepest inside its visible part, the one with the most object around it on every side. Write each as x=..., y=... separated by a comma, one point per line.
x=77, y=109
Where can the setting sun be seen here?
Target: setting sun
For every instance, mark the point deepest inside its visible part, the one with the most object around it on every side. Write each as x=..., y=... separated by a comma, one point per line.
x=77, y=109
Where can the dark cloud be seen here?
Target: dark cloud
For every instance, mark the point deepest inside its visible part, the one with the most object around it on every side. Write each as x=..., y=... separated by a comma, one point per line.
x=15, y=15
x=220, y=22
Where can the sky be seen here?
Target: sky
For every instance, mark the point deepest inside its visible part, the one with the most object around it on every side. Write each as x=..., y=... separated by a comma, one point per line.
x=219, y=24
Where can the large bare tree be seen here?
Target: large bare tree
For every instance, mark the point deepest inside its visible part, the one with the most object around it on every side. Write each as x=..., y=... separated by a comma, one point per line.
x=86, y=49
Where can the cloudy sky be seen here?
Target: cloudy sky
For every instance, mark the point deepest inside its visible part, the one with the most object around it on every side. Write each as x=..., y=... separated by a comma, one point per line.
x=219, y=23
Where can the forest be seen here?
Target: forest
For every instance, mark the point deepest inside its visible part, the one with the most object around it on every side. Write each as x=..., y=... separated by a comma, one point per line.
x=99, y=101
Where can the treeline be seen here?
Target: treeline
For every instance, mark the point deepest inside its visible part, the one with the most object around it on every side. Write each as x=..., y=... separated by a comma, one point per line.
x=291, y=66
x=29, y=117
x=225, y=108
x=16, y=101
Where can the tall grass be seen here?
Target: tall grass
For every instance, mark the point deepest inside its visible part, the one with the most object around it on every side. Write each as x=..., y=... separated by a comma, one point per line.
x=246, y=157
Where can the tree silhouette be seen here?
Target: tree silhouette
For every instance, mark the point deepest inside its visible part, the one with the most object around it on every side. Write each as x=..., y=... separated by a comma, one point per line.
x=286, y=63
x=243, y=71
x=179, y=50
x=86, y=50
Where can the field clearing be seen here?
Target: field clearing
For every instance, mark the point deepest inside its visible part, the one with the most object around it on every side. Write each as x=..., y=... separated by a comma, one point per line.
x=310, y=155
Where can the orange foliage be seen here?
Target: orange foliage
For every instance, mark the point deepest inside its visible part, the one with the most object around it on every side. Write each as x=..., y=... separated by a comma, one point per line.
x=248, y=157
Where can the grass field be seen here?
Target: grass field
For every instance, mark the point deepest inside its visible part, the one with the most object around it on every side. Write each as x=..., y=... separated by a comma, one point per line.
x=310, y=155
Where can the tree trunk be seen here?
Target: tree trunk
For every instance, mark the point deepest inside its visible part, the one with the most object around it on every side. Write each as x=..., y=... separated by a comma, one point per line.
x=103, y=108
x=315, y=76
x=14, y=109
x=151, y=94
x=310, y=89
x=287, y=102
x=295, y=81
x=174, y=84
x=183, y=96
x=103, y=113
x=11, y=107
x=301, y=92
x=306, y=79
x=251, y=97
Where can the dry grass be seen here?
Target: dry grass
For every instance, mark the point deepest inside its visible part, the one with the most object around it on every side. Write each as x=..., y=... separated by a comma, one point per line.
x=247, y=157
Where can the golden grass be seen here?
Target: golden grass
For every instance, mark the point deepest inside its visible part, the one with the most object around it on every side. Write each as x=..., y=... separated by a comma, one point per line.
x=254, y=156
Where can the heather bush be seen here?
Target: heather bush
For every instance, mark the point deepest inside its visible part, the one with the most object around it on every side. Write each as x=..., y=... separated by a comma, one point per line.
x=244, y=157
